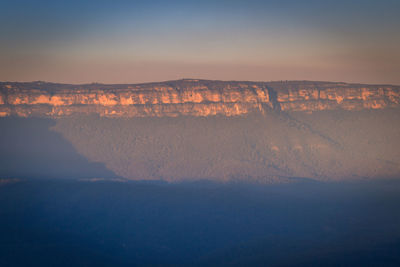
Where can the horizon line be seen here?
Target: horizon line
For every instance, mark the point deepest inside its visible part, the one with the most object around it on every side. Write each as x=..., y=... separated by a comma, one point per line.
x=199, y=80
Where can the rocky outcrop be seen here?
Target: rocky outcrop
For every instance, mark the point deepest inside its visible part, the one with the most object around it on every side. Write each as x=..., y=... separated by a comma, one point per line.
x=190, y=97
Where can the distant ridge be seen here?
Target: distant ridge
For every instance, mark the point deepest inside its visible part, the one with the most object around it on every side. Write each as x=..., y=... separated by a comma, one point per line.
x=190, y=97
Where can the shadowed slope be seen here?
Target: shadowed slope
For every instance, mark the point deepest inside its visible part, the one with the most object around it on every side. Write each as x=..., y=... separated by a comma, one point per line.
x=29, y=149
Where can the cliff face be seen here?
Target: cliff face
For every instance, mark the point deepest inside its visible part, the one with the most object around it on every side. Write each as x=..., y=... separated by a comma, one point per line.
x=290, y=139
x=189, y=97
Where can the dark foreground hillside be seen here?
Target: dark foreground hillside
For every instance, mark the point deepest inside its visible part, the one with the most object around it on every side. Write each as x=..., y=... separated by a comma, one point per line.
x=103, y=223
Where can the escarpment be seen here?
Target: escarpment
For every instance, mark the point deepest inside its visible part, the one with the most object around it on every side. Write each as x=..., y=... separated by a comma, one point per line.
x=199, y=129
x=190, y=97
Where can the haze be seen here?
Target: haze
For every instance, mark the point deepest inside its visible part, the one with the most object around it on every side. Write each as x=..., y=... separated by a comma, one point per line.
x=139, y=41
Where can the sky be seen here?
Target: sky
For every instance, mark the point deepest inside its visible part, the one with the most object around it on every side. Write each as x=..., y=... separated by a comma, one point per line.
x=143, y=41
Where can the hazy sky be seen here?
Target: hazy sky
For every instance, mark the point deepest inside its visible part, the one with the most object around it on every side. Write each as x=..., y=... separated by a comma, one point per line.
x=137, y=41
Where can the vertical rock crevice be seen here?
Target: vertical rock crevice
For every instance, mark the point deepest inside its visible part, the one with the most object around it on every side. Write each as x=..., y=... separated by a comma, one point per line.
x=273, y=98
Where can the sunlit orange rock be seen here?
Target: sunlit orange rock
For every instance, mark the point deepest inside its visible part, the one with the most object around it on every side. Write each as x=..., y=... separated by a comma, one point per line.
x=190, y=97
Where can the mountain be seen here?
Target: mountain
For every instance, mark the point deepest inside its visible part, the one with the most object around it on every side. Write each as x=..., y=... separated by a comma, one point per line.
x=190, y=97
x=196, y=129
